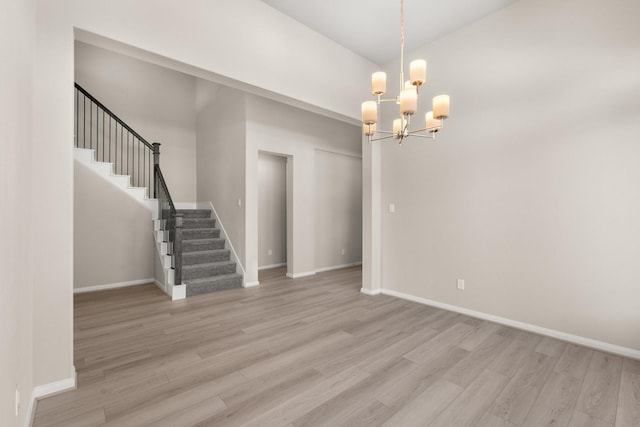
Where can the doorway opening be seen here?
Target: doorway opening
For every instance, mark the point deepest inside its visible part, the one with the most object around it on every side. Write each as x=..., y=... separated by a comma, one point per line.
x=272, y=216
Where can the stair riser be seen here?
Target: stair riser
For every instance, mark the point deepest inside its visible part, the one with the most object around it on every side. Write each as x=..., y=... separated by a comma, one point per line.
x=207, y=233
x=191, y=258
x=189, y=223
x=200, y=272
x=188, y=246
x=231, y=283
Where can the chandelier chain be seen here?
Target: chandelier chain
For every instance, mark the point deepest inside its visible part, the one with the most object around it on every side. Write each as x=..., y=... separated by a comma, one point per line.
x=401, y=43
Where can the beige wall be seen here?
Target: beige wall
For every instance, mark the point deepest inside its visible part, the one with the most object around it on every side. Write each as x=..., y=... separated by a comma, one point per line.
x=220, y=156
x=52, y=208
x=277, y=128
x=156, y=102
x=113, y=236
x=17, y=43
x=272, y=210
x=531, y=192
x=338, y=205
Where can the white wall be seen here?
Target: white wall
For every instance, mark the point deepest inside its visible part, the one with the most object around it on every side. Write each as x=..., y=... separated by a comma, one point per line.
x=277, y=128
x=17, y=44
x=264, y=42
x=52, y=201
x=338, y=205
x=220, y=156
x=156, y=102
x=272, y=210
x=531, y=193
x=113, y=233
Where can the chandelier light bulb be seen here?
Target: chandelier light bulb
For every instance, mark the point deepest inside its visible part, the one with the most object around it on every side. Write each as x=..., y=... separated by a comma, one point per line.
x=408, y=102
x=432, y=125
x=378, y=83
x=441, y=106
x=369, y=130
x=418, y=72
x=408, y=85
x=369, y=112
x=397, y=128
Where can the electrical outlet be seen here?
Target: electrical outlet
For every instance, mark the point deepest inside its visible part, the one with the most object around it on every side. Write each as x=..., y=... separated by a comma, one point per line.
x=269, y=252
x=461, y=284
x=17, y=400
x=392, y=207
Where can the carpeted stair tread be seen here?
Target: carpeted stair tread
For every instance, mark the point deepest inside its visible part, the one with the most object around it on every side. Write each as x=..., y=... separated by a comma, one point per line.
x=198, y=223
x=193, y=245
x=206, y=256
x=200, y=233
x=198, y=271
x=194, y=213
x=206, y=263
x=213, y=284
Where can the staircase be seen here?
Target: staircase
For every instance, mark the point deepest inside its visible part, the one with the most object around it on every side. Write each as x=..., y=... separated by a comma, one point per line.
x=192, y=254
x=206, y=264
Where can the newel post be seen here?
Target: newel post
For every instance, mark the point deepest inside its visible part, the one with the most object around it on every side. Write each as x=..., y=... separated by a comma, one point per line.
x=156, y=161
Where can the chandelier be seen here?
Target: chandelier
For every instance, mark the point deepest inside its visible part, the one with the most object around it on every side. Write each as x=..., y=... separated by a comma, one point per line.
x=407, y=99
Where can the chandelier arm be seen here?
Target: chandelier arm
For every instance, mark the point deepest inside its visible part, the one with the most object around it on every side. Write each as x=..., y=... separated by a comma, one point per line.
x=430, y=136
x=381, y=138
x=419, y=130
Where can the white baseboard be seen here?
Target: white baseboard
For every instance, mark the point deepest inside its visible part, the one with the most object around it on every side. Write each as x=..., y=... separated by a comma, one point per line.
x=575, y=339
x=299, y=275
x=250, y=284
x=46, y=390
x=337, y=267
x=113, y=286
x=267, y=267
x=370, y=291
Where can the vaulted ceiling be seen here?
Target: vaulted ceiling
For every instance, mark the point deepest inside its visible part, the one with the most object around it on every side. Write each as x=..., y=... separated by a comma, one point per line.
x=371, y=28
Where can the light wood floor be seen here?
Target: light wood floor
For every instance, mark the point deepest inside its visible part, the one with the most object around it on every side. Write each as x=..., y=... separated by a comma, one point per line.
x=315, y=351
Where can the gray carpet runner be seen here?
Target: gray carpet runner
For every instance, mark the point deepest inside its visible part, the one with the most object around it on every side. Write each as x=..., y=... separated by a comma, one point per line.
x=206, y=264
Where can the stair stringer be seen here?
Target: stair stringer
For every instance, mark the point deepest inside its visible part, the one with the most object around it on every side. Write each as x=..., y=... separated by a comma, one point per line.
x=123, y=182
x=140, y=194
x=175, y=291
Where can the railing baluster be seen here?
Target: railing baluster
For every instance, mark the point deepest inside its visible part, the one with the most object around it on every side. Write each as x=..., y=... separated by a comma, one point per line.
x=116, y=154
x=84, y=122
x=97, y=135
x=137, y=158
x=77, y=117
x=90, y=124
